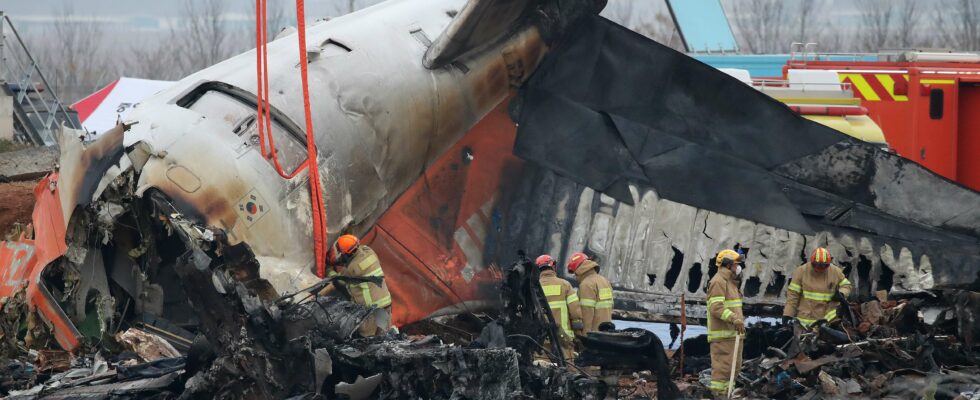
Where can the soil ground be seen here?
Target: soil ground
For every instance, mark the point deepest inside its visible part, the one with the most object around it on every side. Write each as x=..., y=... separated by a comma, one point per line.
x=16, y=204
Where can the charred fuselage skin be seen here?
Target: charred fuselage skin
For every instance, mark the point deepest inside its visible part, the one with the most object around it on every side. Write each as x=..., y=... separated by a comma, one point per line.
x=379, y=117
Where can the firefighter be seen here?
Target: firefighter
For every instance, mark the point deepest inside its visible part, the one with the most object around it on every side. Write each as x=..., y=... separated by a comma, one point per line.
x=594, y=291
x=348, y=257
x=725, y=320
x=564, y=304
x=811, y=293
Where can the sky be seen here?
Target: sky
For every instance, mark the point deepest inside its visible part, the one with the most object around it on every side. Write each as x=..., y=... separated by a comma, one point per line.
x=140, y=19
x=153, y=14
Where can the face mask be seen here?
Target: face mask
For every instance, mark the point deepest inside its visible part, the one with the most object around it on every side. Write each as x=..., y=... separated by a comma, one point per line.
x=738, y=270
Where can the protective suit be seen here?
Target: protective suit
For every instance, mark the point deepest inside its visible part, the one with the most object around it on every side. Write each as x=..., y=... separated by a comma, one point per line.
x=564, y=304
x=810, y=294
x=725, y=321
x=360, y=261
x=595, y=294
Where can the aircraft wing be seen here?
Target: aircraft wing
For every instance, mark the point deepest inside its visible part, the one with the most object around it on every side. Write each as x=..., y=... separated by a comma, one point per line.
x=610, y=108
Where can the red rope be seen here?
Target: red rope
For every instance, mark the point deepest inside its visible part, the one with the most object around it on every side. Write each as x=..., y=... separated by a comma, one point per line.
x=319, y=214
x=264, y=122
x=263, y=117
x=259, y=41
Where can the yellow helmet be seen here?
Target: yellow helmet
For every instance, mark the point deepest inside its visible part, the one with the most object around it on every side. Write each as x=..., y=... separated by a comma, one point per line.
x=727, y=253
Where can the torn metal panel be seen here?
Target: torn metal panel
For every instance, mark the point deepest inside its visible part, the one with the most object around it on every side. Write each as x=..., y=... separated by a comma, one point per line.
x=25, y=260
x=91, y=281
x=675, y=141
x=869, y=177
x=135, y=389
x=658, y=244
x=457, y=372
x=477, y=25
x=53, y=360
x=148, y=346
x=684, y=173
x=82, y=167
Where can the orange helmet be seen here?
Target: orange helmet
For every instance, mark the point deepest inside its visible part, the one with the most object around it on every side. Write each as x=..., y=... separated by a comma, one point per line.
x=575, y=261
x=820, y=258
x=545, y=261
x=346, y=244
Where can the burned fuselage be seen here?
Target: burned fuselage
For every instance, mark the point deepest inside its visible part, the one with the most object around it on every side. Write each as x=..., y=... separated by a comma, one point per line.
x=380, y=118
x=419, y=154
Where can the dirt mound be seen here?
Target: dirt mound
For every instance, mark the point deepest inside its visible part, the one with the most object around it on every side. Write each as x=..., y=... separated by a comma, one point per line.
x=16, y=204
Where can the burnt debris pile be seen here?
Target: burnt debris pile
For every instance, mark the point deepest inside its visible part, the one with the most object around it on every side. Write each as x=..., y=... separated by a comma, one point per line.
x=252, y=342
x=910, y=345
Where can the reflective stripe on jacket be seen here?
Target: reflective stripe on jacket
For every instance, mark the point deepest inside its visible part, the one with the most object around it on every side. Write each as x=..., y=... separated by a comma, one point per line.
x=724, y=306
x=810, y=294
x=596, y=295
x=365, y=263
x=564, y=303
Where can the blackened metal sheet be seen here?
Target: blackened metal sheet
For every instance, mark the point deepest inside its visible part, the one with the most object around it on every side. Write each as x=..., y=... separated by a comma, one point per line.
x=611, y=69
x=608, y=103
x=890, y=183
x=693, y=173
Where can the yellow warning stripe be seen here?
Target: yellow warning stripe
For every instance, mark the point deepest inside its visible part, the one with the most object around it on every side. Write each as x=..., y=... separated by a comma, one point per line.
x=858, y=81
x=821, y=101
x=889, y=84
x=937, y=81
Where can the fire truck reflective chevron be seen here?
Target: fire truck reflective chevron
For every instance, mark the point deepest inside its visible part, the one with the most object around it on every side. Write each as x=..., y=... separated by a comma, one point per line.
x=877, y=86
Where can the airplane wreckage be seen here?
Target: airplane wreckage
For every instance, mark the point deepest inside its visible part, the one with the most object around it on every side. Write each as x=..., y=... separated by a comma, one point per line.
x=449, y=134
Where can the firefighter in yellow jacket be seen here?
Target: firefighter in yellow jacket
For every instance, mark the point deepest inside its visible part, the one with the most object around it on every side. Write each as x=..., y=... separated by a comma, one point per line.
x=594, y=292
x=725, y=320
x=811, y=292
x=563, y=301
x=350, y=258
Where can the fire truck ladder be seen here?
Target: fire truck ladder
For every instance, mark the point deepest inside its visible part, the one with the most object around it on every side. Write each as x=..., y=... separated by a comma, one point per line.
x=38, y=112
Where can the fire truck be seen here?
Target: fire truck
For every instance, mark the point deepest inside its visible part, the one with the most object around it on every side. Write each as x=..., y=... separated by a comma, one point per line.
x=927, y=103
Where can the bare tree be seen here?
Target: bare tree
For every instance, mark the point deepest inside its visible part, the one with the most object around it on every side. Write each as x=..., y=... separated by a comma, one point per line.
x=662, y=30
x=836, y=40
x=276, y=20
x=200, y=37
x=760, y=24
x=877, y=19
x=958, y=24
x=153, y=61
x=342, y=7
x=73, y=55
x=809, y=26
x=907, y=23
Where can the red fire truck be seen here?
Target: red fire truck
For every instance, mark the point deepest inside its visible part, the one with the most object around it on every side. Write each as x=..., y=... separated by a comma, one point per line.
x=926, y=102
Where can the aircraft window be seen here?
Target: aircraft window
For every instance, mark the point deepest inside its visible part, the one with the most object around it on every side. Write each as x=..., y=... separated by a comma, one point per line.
x=237, y=111
x=290, y=152
x=225, y=109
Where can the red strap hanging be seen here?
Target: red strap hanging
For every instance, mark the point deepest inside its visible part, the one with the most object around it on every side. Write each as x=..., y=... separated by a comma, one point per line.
x=263, y=118
x=264, y=122
x=316, y=194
